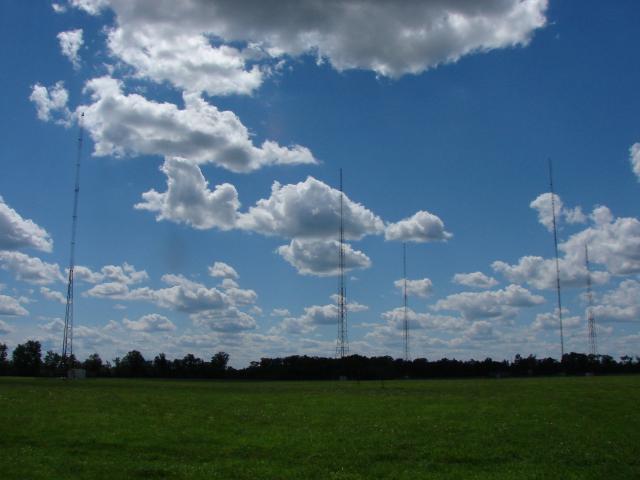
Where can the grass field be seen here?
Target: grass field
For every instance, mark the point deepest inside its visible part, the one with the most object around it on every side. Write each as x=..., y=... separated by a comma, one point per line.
x=551, y=428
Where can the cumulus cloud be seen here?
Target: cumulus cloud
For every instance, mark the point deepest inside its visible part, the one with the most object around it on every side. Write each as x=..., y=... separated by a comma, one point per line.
x=51, y=103
x=30, y=269
x=621, y=304
x=11, y=307
x=150, y=323
x=422, y=320
x=309, y=210
x=316, y=315
x=475, y=279
x=187, y=60
x=421, y=227
x=502, y=304
x=124, y=274
x=419, y=288
x=387, y=37
x=634, y=158
x=613, y=242
x=551, y=321
x=5, y=328
x=70, y=43
x=221, y=269
x=53, y=295
x=540, y=273
x=280, y=312
x=122, y=124
x=17, y=232
x=321, y=257
x=217, y=308
x=543, y=205
x=189, y=200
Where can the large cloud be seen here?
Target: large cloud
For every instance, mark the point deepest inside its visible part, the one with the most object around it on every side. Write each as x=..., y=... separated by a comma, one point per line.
x=502, y=304
x=189, y=200
x=421, y=227
x=122, y=124
x=388, y=37
x=30, y=269
x=309, y=210
x=316, y=315
x=621, y=304
x=17, y=232
x=223, y=270
x=321, y=257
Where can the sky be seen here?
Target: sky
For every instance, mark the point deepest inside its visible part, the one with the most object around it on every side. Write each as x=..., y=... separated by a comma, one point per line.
x=213, y=136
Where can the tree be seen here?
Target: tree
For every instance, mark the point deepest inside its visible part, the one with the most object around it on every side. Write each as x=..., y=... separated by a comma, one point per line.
x=93, y=365
x=27, y=358
x=132, y=364
x=161, y=365
x=52, y=364
x=219, y=363
x=4, y=364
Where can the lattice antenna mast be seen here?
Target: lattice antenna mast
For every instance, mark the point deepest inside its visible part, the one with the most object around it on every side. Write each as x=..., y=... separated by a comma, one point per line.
x=342, y=348
x=555, y=245
x=406, y=318
x=67, y=341
x=591, y=322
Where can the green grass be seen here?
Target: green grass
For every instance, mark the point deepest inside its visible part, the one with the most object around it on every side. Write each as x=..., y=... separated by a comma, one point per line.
x=546, y=428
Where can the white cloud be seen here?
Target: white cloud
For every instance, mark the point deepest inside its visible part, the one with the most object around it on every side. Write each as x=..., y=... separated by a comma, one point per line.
x=543, y=205
x=540, y=273
x=280, y=312
x=427, y=321
x=421, y=227
x=475, y=279
x=122, y=124
x=321, y=257
x=502, y=304
x=185, y=59
x=152, y=322
x=58, y=7
x=51, y=103
x=221, y=269
x=53, y=295
x=30, y=269
x=419, y=288
x=189, y=200
x=309, y=210
x=70, y=43
x=621, y=304
x=5, y=328
x=551, y=321
x=228, y=320
x=92, y=7
x=387, y=37
x=125, y=274
x=316, y=315
x=11, y=306
x=613, y=243
x=17, y=232
x=634, y=158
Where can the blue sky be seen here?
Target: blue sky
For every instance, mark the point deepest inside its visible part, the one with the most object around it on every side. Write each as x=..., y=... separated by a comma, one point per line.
x=441, y=115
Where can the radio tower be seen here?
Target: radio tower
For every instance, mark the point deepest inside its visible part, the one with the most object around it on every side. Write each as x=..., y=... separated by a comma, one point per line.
x=406, y=320
x=555, y=245
x=593, y=339
x=342, y=347
x=67, y=341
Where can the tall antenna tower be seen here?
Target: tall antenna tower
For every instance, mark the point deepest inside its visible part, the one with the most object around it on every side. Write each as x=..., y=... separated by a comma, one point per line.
x=591, y=321
x=555, y=245
x=342, y=347
x=67, y=340
x=406, y=319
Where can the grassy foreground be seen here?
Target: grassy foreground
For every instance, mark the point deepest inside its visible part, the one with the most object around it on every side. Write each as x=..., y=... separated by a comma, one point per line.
x=558, y=428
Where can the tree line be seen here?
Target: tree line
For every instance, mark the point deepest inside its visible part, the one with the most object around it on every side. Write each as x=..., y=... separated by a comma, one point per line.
x=27, y=360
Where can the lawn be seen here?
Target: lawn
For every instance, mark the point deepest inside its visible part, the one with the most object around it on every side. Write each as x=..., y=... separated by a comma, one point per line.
x=543, y=428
